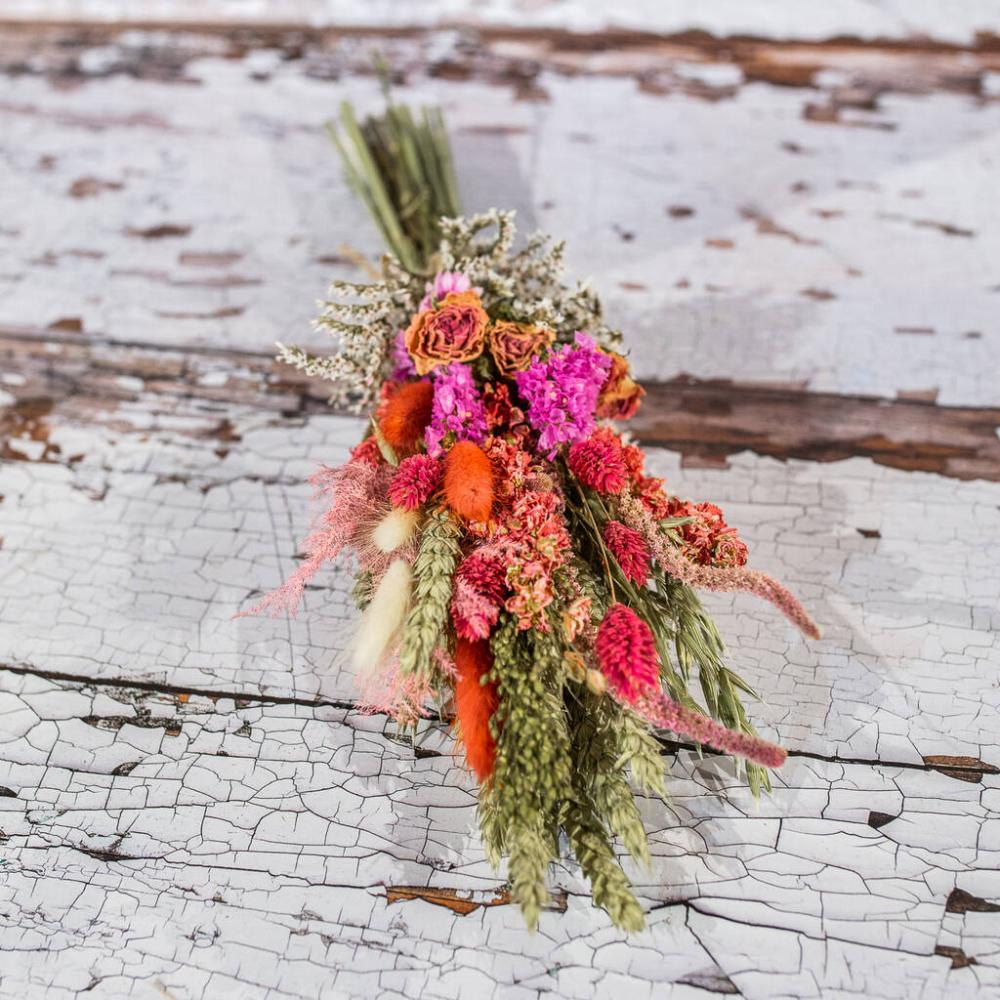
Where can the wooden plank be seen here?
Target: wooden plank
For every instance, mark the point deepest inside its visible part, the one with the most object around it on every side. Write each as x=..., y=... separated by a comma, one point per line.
x=254, y=849
x=777, y=19
x=801, y=271
x=132, y=537
x=188, y=805
x=61, y=378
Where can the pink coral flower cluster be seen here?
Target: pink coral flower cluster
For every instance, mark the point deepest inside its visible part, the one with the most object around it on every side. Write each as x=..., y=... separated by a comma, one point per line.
x=534, y=543
x=707, y=538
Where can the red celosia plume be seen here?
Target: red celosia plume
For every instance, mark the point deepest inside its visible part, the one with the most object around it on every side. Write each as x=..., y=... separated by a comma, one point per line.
x=468, y=481
x=629, y=549
x=415, y=480
x=405, y=415
x=475, y=703
x=598, y=462
x=626, y=654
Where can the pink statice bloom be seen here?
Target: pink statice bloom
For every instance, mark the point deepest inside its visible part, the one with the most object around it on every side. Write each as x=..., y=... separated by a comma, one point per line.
x=444, y=282
x=457, y=412
x=562, y=392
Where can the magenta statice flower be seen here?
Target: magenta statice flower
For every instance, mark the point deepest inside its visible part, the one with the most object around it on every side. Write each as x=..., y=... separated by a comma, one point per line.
x=444, y=282
x=457, y=409
x=403, y=367
x=561, y=393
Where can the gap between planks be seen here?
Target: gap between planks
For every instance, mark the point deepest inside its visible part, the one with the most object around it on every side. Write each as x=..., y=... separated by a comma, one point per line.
x=962, y=768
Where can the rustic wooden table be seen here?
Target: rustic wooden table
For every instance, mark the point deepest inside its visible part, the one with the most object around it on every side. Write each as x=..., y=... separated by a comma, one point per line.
x=801, y=239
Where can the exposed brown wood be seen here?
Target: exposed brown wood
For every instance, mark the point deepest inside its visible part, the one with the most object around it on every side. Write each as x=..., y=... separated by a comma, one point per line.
x=515, y=56
x=710, y=420
x=458, y=902
x=705, y=421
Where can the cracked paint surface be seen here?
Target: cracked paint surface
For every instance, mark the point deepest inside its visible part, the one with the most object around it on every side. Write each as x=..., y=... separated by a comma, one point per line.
x=131, y=562
x=189, y=806
x=254, y=849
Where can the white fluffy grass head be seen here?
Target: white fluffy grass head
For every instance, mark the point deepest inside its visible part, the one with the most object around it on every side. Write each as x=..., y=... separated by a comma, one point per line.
x=395, y=529
x=383, y=618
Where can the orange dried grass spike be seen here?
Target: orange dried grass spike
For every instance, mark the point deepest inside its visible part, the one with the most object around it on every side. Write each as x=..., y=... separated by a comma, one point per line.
x=468, y=481
x=406, y=414
x=475, y=704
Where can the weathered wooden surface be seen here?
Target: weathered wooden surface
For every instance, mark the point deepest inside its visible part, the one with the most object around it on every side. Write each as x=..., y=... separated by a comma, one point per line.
x=801, y=242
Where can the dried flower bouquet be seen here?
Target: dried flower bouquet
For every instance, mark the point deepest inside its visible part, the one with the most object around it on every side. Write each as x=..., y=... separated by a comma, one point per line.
x=515, y=563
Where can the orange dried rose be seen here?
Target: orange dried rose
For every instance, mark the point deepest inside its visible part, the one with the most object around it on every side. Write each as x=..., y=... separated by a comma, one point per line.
x=455, y=331
x=620, y=395
x=513, y=345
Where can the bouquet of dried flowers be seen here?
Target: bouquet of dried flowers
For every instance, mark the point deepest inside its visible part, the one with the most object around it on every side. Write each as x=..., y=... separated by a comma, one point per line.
x=515, y=563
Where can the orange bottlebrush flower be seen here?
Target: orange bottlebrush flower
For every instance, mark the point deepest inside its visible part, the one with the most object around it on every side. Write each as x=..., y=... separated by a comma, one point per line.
x=468, y=481
x=405, y=415
x=475, y=703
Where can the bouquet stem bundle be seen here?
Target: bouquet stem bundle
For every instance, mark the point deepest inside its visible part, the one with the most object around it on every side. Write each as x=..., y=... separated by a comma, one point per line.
x=401, y=169
x=515, y=563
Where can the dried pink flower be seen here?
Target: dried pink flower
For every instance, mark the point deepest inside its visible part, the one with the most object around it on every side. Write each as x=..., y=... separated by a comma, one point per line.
x=444, y=282
x=416, y=480
x=661, y=710
x=355, y=492
x=718, y=578
x=478, y=595
x=626, y=654
x=629, y=549
x=598, y=462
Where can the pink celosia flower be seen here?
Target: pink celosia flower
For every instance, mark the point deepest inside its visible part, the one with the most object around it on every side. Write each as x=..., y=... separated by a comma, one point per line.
x=457, y=413
x=598, y=463
x=415, y=481
x=444, y=282
x=630, y=551
x=662, y=711
x=718, y=578
x=479, y=590
x=562, y=391
x=367, y=452
x=626, y=654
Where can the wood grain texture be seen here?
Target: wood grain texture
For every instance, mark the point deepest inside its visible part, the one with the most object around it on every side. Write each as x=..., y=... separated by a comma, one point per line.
x=189, y=806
